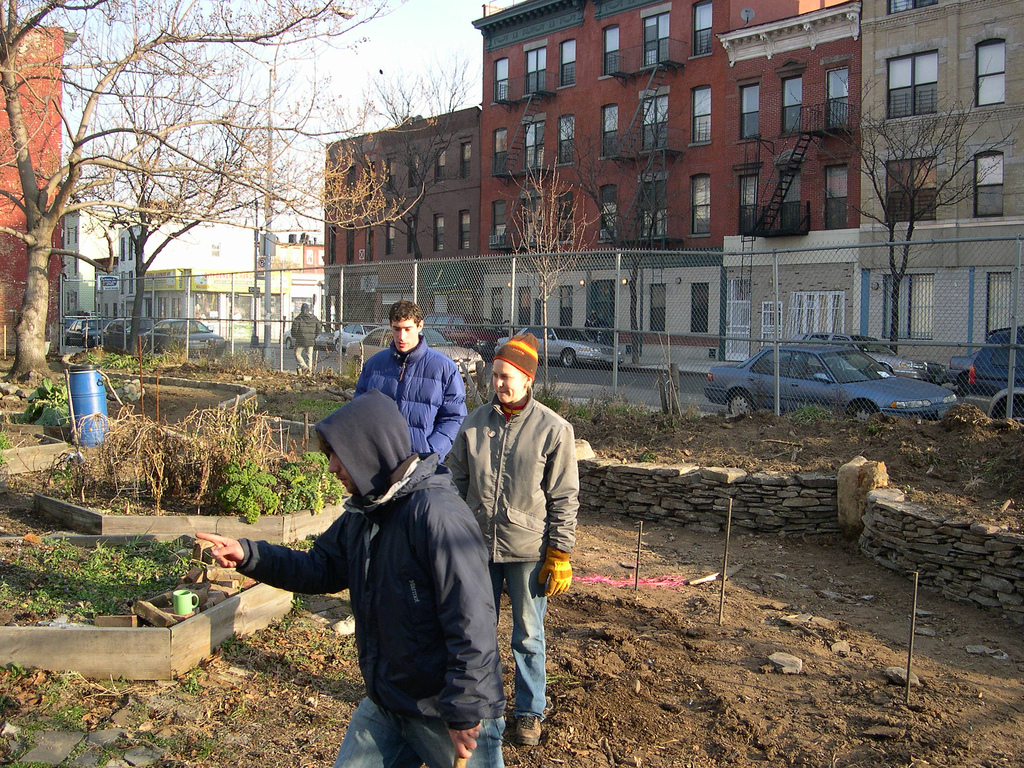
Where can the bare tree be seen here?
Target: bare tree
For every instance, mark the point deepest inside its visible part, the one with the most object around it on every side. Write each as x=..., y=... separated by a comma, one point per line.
x=191, y=46
x=913, y=168
x=551, y=228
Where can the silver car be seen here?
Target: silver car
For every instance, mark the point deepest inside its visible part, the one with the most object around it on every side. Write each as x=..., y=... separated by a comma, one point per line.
x=380, y=338
x=572, y=346
x=923, y=370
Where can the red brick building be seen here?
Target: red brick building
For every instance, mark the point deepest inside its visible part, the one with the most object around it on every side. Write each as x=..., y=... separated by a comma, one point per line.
x=40, y=100
x=640, y=106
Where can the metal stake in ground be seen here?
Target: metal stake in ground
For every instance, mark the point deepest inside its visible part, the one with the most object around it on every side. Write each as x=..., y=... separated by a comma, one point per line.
x=725, y=565
x=156, y=393
x=910, y=645
x=71, y=407
x=639, y=543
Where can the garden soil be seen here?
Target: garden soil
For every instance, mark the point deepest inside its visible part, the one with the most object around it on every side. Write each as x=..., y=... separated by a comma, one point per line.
x=649, y=676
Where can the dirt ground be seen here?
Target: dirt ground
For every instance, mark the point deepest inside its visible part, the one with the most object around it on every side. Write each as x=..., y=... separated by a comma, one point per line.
x=648, y=677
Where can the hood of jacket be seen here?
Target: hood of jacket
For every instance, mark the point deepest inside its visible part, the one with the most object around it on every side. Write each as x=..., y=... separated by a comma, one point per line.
x=371, y=439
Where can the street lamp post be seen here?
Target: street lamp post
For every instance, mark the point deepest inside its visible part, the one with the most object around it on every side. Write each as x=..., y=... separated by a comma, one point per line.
x=255, y=290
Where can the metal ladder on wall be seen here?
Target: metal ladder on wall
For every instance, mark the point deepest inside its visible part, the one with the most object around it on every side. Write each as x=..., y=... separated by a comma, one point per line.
x=769, y=217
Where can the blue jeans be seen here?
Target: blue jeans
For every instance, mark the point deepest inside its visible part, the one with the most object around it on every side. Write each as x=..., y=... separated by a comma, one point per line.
x=528, y=608
x=377, y=738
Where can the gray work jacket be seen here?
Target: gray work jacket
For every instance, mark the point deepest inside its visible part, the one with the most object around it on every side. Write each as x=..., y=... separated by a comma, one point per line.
x=519, y=478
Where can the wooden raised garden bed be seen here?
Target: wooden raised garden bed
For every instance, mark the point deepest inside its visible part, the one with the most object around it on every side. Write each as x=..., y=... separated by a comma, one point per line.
x=32, y=458
x=145, y=653
x=276, y=529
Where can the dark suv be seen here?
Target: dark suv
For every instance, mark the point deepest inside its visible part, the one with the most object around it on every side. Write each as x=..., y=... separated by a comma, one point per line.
x=467, y=331
x=984, y=383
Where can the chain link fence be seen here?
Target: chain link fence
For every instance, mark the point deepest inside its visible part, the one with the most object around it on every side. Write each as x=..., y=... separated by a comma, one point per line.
x=646, y=326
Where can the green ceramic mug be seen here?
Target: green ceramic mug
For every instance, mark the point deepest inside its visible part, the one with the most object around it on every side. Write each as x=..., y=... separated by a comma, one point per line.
x=185, y=601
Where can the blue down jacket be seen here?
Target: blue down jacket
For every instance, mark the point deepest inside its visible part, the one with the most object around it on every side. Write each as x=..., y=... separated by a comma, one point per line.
x=428, y=389
x=415, y=565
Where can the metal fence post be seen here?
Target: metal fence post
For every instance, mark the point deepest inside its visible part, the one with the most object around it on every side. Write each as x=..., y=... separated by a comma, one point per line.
x=512, y=300
x=415, y=282
x=778, y=327
x=341, y=296
x=615, y=323
x=231, y=314
x=1012, y=372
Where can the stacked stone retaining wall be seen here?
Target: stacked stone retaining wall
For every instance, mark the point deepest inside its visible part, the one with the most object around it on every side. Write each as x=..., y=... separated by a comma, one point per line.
x=982, y=565
x=968, y=562
x=698, y=497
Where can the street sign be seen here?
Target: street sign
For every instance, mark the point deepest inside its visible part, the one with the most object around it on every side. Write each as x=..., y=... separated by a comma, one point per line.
x=262, y=262
x=254, y=289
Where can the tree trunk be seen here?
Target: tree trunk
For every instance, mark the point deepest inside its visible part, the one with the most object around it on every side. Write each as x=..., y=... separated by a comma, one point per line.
x=30, y=332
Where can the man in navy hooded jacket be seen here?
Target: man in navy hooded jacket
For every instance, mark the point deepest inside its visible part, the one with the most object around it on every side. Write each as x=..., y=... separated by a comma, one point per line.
x=412, y=557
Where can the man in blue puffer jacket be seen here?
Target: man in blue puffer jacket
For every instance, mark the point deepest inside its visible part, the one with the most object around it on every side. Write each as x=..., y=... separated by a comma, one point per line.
x=426, y=384
x=414, y=562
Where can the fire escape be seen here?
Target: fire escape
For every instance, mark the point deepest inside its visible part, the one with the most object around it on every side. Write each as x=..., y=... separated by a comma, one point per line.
x=647, y=144
x=518, y=165
x=782, y=216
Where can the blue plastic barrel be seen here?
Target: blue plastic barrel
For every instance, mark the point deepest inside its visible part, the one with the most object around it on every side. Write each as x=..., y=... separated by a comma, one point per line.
x=89, y=402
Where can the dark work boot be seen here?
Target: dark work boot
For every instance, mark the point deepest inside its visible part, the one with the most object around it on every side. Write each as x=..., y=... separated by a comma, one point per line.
x=527, y=730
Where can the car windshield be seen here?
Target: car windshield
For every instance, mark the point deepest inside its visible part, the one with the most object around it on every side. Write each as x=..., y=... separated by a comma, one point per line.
x=849, y=365
x=434, y=338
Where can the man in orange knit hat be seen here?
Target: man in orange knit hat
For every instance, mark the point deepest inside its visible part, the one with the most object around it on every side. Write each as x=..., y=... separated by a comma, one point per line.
x=514, y=462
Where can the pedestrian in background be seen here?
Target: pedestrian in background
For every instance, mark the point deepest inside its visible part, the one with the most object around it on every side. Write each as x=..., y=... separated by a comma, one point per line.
x=426, y=384
x=305, y=328
x=414, y=562
x=514, y=462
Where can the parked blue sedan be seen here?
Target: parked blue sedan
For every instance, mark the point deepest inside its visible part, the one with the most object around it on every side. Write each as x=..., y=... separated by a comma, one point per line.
x=841, y=378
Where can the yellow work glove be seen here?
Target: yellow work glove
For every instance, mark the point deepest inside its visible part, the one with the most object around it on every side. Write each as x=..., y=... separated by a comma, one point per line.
x=556, y=572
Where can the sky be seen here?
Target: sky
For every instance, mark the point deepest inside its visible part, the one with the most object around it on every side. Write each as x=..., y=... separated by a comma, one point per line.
x=408, y=39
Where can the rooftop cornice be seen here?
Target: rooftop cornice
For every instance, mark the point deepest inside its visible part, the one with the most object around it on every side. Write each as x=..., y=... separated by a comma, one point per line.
x=808, y=30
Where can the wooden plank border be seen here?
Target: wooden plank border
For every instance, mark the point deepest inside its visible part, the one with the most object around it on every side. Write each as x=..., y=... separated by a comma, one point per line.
x=144, y=653
x=276, y=529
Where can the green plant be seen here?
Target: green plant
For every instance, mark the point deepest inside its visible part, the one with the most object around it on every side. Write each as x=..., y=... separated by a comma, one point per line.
x=811, y=414
x=648, y=455
x=5, y=441
x=47, y=405
x=190, y=682
x=309, y=484
x=248, y=490
x=317, y=409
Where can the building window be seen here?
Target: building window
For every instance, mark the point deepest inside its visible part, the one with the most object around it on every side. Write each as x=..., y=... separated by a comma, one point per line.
x=770, y=313
x=653, y=208
x=609, y=211
x=838, y=97
x=497, y=305
x=523, y=315
x=535, y=145
x=566, y=138
x=701, y=115
x=350, y=246
x=500, y=159
x=536, y=66
x=792, y=104
x=748, y=204
x=791, y=215
x=498, y=211
x=816, y=312
x=702, y=28
x=565, y=305
x=655, y=122
x=370, y=243
x=501, y=80
x=998, y=301
x=567, y=63
x=920, y=298
x=700, y=204
x=835, y=196
x=438, y=231
x=611, y=51
x=657, y=303
x=389, y=239
x=463, y=230
x=655, y=39
x=895, y=6
x=750, y=110
x=988, y=184
x=439, y=166
x=910, y=189
x=565, y=209
x=913, y=84
x=465, y=158
x=699, y=303
x=410, y=234
x=991, y=69
x=412, y=180
x=610, y=130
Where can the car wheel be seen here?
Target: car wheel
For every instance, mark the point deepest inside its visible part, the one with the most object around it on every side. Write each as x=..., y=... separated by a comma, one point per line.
x=568, y=358
x=999, y=409
x=862, y=410
x=739, y=403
